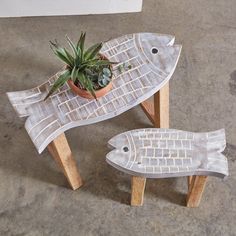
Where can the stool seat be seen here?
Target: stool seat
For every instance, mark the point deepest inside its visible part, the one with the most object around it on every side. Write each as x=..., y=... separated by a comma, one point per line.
x=161, y=153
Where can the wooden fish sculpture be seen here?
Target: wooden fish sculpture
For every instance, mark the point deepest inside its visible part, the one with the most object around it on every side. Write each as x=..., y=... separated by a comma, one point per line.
x=153, y=59
x=158, y=153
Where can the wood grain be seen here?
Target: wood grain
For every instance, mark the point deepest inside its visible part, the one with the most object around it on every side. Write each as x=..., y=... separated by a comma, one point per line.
x=161, y=108
x=137, y=190
x=189, y=178
x=197, y=186
x=148, y=108
x=60, y=151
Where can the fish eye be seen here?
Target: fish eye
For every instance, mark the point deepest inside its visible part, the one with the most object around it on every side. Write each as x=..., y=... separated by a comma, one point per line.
x=125, y=149
x=154, y=50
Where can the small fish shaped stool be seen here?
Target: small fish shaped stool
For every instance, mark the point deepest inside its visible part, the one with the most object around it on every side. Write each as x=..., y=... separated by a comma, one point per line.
x=162, y=153
x=151, y=58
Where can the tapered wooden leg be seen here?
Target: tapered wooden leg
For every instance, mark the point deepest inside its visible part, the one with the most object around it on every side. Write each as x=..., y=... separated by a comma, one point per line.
x=148, y=108
x=195, y=191
x=60, y=151
x=161, y=108
x=158, y=113
x=137, y=190
x=189, y=181
x=158, y=110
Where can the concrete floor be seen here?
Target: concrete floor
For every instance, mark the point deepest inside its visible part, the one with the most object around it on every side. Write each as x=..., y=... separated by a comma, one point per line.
x=35, y=198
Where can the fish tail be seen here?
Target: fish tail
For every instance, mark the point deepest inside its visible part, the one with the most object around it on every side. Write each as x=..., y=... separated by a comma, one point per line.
x=218, y=164
x=216, y=161
x=216, y=140
x=22, y=100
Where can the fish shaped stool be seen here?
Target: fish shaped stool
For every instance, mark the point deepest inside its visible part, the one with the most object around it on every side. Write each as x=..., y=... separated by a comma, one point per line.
x=150, y=71
x=162, y=153
x=151, y=58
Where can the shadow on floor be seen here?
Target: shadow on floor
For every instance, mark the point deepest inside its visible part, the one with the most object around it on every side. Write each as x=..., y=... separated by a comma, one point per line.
x=22, y=160
x=99, y=178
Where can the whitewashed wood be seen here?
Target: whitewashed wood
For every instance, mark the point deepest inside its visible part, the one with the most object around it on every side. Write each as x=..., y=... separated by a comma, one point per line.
x=64, y=110
x=158, y=153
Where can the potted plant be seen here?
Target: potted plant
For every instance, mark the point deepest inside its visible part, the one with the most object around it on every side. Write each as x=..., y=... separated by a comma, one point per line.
x=87, y=72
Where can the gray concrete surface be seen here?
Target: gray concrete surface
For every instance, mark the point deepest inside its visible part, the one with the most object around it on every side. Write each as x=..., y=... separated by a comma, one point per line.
x=34, y=195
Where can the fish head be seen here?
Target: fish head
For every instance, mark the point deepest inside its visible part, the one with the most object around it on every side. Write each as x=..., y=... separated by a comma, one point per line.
x=160, y=39
x=159, y=52
x=122, y=151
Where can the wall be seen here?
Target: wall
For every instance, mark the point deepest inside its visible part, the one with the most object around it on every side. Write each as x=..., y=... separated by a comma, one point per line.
x=15, y=8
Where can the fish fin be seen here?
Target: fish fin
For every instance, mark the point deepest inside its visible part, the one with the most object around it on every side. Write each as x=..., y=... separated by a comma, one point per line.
x=172, y=41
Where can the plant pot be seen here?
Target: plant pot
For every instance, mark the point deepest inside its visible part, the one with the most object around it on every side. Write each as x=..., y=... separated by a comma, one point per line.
x=86, y=94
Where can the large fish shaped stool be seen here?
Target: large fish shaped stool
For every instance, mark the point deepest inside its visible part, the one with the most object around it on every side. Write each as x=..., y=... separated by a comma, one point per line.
x=162, y=153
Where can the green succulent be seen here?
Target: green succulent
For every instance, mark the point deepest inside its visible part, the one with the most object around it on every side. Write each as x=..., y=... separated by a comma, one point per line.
x=104, y=77
x=86, y=68
x=124, y=67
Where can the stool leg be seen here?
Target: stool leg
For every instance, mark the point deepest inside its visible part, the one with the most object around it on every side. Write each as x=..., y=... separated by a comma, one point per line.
x=60, y=151
x=158, y=110
x=137, y=190
x=158, y=113
x=161, y=108
x=195, y=191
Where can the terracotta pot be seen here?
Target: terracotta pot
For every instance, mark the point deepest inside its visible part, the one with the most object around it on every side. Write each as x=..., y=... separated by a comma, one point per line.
x=85, y=94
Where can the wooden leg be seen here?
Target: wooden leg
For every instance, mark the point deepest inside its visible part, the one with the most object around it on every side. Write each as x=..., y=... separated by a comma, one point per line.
x=161, y=108
x=137, y=190
x=60, y=151
x=189, y=181
x=196, y=190
x=148, y=108
x=158, y=111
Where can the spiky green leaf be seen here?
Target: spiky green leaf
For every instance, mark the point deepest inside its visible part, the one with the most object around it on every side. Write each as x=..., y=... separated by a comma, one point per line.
x=69, y=57
x=80, y=43
x=73, y=47
x=78, y=59
x=93, y=51
x=60, y=52
x=82, y=79
x=90, y=88
x=59, y=82
x=74, y=74
x=93, y=61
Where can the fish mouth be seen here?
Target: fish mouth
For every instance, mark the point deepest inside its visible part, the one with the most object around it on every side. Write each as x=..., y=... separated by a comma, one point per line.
x=111, y=144
x=118, y=145
x=120, y=142
x=112, y=147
